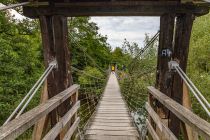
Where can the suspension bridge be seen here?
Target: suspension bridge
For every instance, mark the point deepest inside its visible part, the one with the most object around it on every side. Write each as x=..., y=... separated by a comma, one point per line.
x=96, y=109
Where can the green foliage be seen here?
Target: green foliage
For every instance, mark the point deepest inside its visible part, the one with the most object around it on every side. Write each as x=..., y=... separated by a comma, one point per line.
x=20, y=62
x=199, y=61
x=90, y=75
x=88, y=47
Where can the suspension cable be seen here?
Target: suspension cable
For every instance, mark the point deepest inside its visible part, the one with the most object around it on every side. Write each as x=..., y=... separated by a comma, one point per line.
x=173, y=65
x=29, y=3
x=146, y=47
x=32, y=92
x=14, y=5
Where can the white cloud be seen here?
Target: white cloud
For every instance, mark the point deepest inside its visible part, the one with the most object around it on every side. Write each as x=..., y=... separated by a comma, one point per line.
x=131, y=28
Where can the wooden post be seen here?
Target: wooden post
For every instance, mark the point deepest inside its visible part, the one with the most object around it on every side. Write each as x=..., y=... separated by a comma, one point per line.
x=49, y=55
x=41, y=125
x=165, y=45
x=182, y=38
x=55, y=45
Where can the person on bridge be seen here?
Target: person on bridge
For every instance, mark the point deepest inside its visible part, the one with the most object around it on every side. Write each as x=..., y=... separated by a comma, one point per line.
x=113, y=69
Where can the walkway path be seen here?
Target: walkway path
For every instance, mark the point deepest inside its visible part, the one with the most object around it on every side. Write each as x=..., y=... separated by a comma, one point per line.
x=112, y=120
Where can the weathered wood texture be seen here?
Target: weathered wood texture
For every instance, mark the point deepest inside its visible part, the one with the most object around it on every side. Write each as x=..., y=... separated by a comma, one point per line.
x=49, y=55
x=196, y=123
x=113, y=8
x=19, y=125
x=152, y=131
x=53, y=133
x=73, y=128
x=111, y=119
x=40, y=128
x=166, y=133
x=180, y=54
x=189, y=134
x=55, y=45
x=165, y=42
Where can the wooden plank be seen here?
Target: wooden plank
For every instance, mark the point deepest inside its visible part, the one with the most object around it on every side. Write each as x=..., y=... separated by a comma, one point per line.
x=19, y=125
x=53, y=133
x=111, y=128
x=114, y=8
x=112, y=121
x=166, y=133
x=188, y=117
x=111, y=114
x=189, y=134
x=71, y=131
x=112, y=111
x=102, y=137
x=152, y=131
x=154, y=116
x=113, y=118
x=112, y=133
x=40, y=127
x=110, y=124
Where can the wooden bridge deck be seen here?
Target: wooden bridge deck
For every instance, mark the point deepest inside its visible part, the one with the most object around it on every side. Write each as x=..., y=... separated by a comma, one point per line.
x=112, y=120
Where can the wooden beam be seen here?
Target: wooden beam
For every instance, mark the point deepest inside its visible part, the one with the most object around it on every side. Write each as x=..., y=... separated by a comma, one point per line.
x=152, y=131
x=162, y=75
x=73, y=128
x=189, y=134
x=49, y=55
x=166, y=133
x=53, y=133
x=55, y=44
x=62, y=55
x=41, y=125
x=196, y=123
x=180, y=54
x=19, y=125
x=114, y=8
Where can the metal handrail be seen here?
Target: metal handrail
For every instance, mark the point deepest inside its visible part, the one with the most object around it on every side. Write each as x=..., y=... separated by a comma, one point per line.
x=173, y=65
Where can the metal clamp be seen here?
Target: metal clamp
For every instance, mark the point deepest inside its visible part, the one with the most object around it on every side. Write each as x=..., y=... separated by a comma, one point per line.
x=54, y=64
x=172, y=65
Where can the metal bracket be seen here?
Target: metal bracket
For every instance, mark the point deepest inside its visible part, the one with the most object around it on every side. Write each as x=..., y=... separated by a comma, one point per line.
x=172, y=65
x=54, y=64
x=166, y=53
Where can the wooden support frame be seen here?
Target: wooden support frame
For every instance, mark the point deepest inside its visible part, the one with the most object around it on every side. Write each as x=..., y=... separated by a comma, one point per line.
x=174, y=39
x=53, y=133
x=152, y=131
x=165, y=44
x=114, y=8
x=41, y=125
x=183, y=29
x=166, y=133
x=55, y=45
x=196, y=123
x=19, y=125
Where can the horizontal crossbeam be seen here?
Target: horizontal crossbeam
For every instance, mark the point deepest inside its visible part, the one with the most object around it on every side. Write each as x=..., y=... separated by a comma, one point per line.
x=114, y=8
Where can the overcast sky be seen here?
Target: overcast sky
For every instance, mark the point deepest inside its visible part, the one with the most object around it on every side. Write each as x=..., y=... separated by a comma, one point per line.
x=131, y=28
